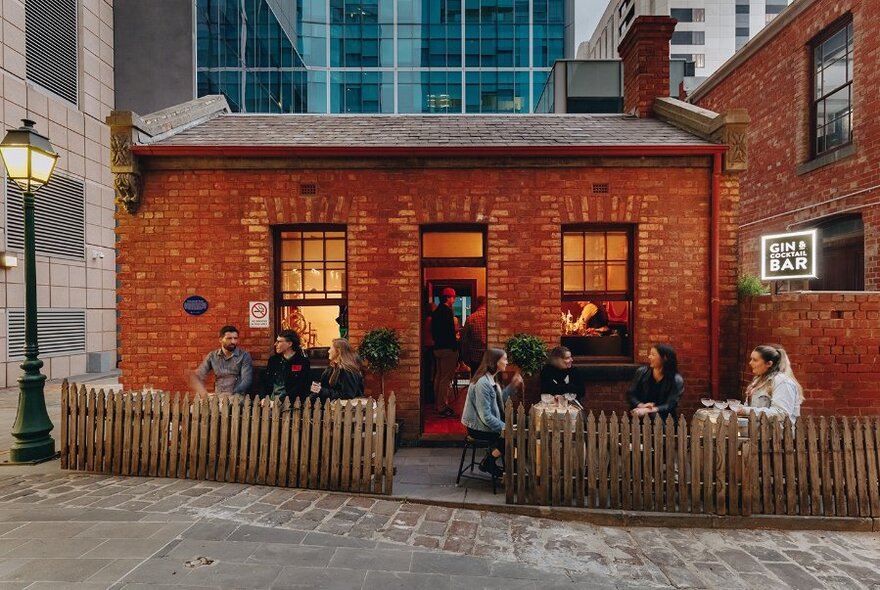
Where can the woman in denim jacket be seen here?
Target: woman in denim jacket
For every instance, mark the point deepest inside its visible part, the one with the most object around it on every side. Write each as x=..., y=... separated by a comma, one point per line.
x=483, y=413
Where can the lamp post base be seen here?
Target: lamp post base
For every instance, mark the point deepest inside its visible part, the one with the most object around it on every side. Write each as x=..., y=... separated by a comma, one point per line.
x=32, y=426
x=32, y=454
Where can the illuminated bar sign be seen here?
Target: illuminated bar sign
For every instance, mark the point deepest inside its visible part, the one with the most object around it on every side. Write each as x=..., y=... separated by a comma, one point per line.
x=788, y=256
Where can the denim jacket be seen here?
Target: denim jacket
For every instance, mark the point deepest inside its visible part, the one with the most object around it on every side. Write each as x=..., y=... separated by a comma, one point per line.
x=484, y=406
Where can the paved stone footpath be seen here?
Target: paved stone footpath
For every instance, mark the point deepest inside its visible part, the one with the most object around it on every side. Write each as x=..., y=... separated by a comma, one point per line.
x=502, y=549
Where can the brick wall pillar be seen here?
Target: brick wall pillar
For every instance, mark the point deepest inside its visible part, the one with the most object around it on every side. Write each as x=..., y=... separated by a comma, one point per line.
x=645, y=54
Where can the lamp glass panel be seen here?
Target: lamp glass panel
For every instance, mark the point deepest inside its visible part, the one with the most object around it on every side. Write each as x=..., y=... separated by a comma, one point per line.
x=42, y=165
x=16, y=160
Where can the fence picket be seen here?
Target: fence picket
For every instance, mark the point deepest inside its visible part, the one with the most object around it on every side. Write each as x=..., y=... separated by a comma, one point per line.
x=778, y=479
x=592, y=488
x=146, y=433
x=274, y=442
x=510, y=458
x=871, y=456
x=721, y=480
x=580, y=462
x=708, y=468
x=357, y=446
x=266, y=409
x=748, y=470
x=813, y=461
x=127, y=427
x=697, y=427
x=682, y=464
x=295, y=443
x=367, y=469
x=852, y=501
x=861, y=471
x=211, y=424
x=669, y=454
x=636, y=450
x=224, y=415
x=195, y=425
x=837, y=463
x=100, y=426
x=390, y=426
x=235, y=407
x=647, y=463
x=316, y=443
x=379, y=445
x=284, y=443
x=625, y=463
x=803, y=474
x=65, y=425
x=790, y=476
x=824, y=452
x=200, y=464
x=89, y=433
x=614, y=461
x=253, y=454
x=245, y=434
x=768, y=507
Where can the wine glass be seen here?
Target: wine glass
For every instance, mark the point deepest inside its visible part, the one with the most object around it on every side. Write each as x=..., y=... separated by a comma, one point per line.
x=569, y=397
x=734, y=404
x=547, y=398
x=720, y=405
x=707, y=401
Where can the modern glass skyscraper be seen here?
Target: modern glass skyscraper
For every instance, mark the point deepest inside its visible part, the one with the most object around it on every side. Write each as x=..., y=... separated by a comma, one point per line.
x=378, y=56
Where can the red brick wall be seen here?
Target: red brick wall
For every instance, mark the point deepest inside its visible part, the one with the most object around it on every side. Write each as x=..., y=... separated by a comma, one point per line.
x=208, y=232
x=774, y=85
x=833, y=340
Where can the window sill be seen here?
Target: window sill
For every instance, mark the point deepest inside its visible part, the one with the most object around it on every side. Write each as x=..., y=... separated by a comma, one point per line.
x=826, y=159
x=592, y=369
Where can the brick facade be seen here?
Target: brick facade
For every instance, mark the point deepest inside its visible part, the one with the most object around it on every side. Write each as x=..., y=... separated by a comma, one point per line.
x=206, y=230
x=785, y=189
x=645, y=54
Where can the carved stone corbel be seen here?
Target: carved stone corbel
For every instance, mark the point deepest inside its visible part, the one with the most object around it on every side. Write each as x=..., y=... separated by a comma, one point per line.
x=128, y=190
x=123, y=163
x=732, y=132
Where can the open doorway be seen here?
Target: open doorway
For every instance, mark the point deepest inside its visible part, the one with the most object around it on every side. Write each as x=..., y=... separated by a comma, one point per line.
x=453, y=257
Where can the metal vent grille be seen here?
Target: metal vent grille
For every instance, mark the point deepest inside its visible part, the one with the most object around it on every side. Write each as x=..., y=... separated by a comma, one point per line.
x=59, y=218
x=308, y=188
x=600, y=188
x=59, y=332
x=50, y=45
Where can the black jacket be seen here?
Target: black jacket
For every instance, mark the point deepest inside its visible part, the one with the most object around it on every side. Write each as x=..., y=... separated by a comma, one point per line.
x=559, y=381
x=297, y=375
x=443, y=328
x=664, y=394
x=349, y=385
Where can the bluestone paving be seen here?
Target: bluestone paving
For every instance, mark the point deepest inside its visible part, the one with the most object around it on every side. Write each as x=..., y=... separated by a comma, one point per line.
x=372, y=559
x=285, y=554
x=293, y=578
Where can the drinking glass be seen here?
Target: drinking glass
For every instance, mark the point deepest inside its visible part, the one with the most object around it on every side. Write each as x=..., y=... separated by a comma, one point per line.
x=707, y=401
x=570, y=397
x=720, y=405
x=547, y=398
x=734, y=404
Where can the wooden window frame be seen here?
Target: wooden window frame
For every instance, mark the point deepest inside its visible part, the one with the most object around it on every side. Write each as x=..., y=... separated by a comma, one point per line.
x=829, y=32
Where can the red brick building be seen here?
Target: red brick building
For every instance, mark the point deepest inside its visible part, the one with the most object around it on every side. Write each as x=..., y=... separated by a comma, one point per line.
x=810, y=82
x=365, y=218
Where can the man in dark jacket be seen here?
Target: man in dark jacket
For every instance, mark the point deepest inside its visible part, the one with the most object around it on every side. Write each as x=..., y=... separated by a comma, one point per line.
x=445, y=351
x=288, y=371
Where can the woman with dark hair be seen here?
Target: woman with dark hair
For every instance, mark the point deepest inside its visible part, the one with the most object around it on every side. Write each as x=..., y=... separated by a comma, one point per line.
x=774, y=391
x=342, y=379
x=658, y=386
x=559, y=377
x=288, y=372
x=483, y=413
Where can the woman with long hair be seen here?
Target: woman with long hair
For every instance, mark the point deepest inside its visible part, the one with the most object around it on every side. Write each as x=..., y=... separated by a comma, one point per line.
x=342, y=379
x=658, y=386
x=774, y=391
x=483, y=413
x=559, y=375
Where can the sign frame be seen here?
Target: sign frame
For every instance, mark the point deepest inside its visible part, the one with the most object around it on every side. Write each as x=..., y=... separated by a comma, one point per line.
x=810, y=235
x=195, y=305
x=255, y=320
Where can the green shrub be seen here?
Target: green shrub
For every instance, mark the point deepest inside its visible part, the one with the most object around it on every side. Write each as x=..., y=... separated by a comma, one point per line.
x=380, y=349
x=527, y=352
x=749, y=285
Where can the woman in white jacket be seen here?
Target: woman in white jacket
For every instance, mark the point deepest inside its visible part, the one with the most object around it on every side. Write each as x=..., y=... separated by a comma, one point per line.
x=774, y=391
x=483, y=413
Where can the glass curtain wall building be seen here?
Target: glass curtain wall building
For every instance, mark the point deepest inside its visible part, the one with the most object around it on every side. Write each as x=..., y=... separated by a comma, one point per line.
x=378, y=56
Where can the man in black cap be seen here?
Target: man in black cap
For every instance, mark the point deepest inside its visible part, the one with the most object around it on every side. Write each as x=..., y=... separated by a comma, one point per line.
x=445, y=351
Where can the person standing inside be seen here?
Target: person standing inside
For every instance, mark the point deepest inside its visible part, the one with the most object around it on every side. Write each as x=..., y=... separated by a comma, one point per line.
x=473, y=335
x=233, y=368
x=288, y=372
x=445, y=351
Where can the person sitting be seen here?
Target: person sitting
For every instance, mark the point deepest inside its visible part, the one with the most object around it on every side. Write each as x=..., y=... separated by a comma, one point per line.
x=483, y=413
x=559, y=377
x=657, y=387
x=342, y=379
x=288, y=372
x=774, y=391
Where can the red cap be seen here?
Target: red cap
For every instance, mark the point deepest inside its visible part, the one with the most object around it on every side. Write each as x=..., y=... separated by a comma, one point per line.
x=449, y=292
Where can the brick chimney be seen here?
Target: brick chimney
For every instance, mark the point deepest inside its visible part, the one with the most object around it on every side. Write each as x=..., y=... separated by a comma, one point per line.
x=645, y=55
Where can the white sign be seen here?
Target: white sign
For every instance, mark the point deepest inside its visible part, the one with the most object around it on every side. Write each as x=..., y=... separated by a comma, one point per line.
x=789, y=256
x=258, y=311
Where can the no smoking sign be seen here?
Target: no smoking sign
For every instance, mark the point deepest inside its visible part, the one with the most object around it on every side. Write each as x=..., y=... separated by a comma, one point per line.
x=258, y=312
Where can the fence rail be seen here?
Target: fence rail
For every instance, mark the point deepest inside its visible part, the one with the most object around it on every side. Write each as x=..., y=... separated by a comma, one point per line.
x=826, y=466
x=334, y=446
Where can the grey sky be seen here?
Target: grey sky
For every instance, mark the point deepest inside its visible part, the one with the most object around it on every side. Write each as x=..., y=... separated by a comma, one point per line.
x=587, y=13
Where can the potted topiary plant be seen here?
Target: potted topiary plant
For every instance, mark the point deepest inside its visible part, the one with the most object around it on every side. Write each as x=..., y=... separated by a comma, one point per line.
x=529, y=353
x=380, y=349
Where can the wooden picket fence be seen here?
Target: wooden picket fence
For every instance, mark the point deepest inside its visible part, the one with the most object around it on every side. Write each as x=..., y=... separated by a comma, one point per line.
x=826, y=466
x=334, y=446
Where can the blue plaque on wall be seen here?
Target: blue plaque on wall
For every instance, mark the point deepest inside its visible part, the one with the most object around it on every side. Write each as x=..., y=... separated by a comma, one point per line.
x=195, y=305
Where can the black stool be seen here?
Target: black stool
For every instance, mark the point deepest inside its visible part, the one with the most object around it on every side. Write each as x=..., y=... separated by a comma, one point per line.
x=473, y=444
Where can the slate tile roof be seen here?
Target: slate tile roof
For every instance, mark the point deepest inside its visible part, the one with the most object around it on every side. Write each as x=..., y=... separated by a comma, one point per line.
x=430, y=131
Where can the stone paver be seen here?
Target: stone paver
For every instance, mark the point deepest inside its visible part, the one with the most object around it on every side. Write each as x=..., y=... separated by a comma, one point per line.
x=380, y=543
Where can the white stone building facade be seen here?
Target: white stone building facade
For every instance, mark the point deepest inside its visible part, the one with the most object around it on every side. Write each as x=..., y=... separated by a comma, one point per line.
x=57, y=69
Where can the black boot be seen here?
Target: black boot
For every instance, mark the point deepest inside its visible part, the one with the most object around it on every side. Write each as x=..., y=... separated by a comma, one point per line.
x=487, y=463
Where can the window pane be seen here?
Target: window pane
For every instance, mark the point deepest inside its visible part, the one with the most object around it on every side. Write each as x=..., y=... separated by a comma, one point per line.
x=315, y=324
x=335, y=249
x=452, y=244
x=291, y=250
x=314, y=280
x=291, y=278
x=595, y=276
x=595, y=244
x=835, y=47
x=589, y=332
x=617, y=279
x=573, y=277
x=313, y=250
x=833, y=76
x=618, y=246
x=335, y=277
x=573, y=246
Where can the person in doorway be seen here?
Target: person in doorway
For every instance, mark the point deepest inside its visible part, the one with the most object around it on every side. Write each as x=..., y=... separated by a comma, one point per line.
x=473, y=335
x=483, y=414
x=445, y=352
x=657, y=387
x=233, y=368
x=342, y=379
x=288, y=372
x=774, y=391
x=559, y=376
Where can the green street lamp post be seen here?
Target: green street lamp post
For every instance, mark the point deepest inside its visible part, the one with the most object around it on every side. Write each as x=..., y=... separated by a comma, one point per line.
x=30, y=160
